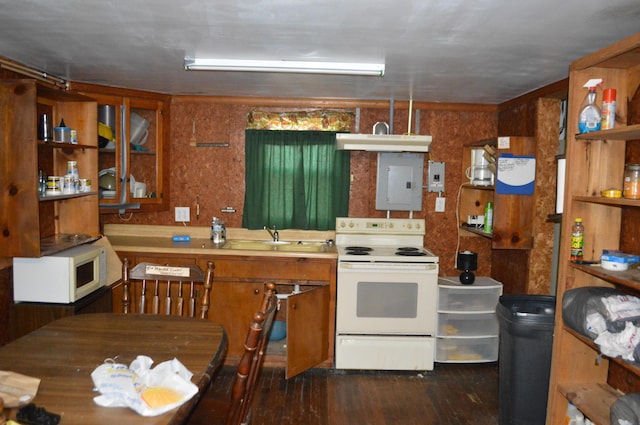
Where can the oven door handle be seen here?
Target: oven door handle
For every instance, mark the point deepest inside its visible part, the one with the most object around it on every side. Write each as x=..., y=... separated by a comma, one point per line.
x=396, y=267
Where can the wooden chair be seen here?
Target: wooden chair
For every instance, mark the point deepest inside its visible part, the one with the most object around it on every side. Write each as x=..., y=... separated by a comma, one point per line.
x=168, y=283
x=236, y=409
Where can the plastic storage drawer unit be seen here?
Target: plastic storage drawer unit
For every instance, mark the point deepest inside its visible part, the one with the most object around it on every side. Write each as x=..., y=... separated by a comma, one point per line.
x=468, y=328
x=468, y=325
x=467, y=350
x=468, y=298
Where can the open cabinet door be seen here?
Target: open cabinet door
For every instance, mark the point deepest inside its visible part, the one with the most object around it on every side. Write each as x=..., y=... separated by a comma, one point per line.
x=307, y=329
x=18, y=169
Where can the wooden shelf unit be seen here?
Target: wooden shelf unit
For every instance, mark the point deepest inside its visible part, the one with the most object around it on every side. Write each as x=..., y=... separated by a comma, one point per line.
x=147, y=163
x=31, y=222
x=595, y=162
x=512, y=214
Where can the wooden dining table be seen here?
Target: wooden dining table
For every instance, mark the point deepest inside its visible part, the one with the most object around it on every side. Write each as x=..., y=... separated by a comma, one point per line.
x=63, y=353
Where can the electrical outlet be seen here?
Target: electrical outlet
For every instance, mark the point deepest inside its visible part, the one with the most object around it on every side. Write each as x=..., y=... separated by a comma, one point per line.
x=182, y=214
x=440, y=204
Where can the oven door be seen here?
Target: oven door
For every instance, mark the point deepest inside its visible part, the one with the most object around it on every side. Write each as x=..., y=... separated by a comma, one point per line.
x=386, y=298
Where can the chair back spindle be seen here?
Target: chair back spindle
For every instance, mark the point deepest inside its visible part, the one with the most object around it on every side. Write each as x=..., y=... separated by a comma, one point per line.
x=167, y=301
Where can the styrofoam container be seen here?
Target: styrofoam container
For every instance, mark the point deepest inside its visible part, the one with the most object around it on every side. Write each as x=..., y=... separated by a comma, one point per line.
x=617, y=260
x=614, y=265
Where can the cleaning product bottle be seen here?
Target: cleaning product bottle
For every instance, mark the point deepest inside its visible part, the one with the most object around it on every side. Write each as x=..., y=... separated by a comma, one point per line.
x=608, y=109
x=488, y=218
x=590, y=118
x=577, y=239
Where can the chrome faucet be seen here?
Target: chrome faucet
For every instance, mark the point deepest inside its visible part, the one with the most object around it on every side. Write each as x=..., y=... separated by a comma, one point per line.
x=274, y=234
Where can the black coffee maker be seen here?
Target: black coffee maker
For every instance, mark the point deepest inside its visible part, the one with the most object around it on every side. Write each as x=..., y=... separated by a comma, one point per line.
x=467, y=261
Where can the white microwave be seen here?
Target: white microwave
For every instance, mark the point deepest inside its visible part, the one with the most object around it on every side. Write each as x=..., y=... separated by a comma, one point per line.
x=63, y=278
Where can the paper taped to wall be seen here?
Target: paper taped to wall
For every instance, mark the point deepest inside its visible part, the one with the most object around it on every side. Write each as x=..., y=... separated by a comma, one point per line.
x=516, y=174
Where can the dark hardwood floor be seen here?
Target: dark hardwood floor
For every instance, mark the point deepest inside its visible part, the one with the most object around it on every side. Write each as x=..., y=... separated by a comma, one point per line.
x=461, y=394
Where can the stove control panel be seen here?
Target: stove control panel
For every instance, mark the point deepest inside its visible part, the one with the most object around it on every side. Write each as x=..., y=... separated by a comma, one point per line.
x=395, y=226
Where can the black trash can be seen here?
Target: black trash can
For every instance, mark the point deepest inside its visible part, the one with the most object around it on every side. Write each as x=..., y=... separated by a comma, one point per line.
x=526, y=337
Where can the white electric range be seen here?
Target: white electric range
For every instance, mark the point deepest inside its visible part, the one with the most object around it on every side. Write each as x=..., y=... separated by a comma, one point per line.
x=386, y=295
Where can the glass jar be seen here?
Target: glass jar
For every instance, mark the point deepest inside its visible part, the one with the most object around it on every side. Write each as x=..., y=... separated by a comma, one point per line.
x=631, y=187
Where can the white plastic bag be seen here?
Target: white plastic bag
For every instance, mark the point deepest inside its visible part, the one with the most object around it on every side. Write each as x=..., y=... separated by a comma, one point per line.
x=122, y=386
x=619, y=344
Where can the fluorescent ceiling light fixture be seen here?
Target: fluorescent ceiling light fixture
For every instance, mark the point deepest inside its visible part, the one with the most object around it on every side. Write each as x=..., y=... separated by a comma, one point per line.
x=303, y=67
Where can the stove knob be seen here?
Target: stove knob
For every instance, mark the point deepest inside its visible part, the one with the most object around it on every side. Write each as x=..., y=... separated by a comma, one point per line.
x=351, y=224
x=418, y=226
x=409, y=225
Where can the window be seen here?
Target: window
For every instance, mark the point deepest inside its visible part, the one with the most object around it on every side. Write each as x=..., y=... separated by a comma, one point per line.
x=294, y=180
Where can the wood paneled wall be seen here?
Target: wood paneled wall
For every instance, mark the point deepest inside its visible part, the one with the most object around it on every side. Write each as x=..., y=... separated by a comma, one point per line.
x=215, y=175
x=529, y=272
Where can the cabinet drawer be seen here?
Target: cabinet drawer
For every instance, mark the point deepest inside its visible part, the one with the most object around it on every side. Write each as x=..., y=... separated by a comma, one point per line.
x=468, y=299
x=466, y=350
x=467, y=325
x=275, y=269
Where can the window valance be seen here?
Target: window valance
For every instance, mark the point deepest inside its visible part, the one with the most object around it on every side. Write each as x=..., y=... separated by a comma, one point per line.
x=319, y=120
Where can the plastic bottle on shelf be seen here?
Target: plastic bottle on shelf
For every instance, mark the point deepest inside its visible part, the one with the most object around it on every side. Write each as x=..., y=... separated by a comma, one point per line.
x=577, y=240
x=590, y=118
x=488, y=218
x=574, y=416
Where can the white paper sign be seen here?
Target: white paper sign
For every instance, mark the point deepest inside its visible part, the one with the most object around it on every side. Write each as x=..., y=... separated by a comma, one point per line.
x=167, y=270
x=516, y=175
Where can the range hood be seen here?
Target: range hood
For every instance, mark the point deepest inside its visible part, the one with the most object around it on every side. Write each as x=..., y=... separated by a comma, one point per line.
x=383, y=142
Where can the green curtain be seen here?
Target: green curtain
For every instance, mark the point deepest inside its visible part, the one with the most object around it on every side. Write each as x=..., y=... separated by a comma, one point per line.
x=294, y=180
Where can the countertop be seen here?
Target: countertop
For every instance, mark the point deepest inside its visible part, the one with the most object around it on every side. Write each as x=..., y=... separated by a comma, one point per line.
x=158, y=239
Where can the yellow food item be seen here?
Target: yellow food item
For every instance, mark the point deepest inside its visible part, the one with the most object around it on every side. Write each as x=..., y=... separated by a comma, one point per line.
x=611, y=193
x=160, y=396
x=451, y=330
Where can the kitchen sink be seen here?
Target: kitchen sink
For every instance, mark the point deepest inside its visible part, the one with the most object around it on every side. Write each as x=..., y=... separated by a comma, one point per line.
x=257, y=245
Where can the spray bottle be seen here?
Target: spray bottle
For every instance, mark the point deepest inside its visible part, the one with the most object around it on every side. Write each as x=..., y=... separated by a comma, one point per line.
x=590, y=118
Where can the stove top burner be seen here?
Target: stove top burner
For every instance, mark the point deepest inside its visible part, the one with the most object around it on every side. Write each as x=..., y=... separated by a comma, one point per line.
x=408, y=248
x=410, y=253
x=356, y=249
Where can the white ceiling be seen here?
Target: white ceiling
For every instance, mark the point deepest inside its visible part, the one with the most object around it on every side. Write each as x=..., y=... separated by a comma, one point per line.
x=480, y=51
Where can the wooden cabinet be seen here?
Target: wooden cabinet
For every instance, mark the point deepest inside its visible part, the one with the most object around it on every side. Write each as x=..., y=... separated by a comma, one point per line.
x=138, y=153
x=512, y=214
x=36, y=225
x=237, y=291
x=595, y=162
x=27, y=317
